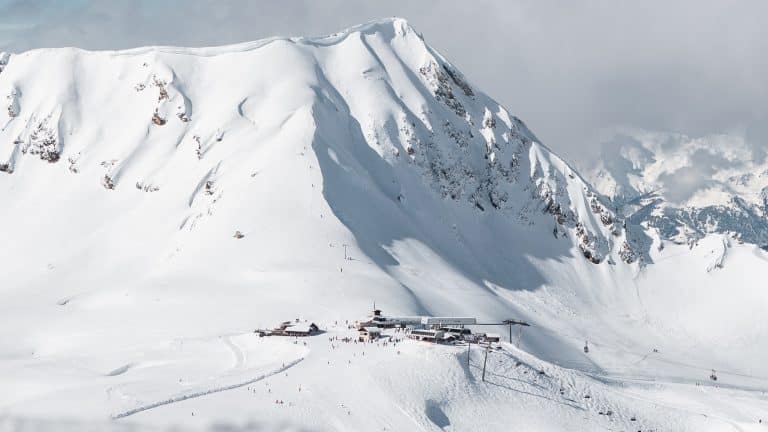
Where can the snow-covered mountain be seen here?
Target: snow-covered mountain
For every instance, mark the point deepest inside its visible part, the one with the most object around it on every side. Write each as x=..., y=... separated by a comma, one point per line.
x=683, y=189
x=198, y=113
x=161, y=200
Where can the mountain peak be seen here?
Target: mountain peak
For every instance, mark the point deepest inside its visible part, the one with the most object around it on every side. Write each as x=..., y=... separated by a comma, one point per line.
x=391, y=107
x=389, y=28
x=396, y=25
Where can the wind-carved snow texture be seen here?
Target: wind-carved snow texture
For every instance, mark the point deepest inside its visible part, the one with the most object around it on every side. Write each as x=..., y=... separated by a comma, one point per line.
x=203, y=198
x=204, y=145
x=718, y=256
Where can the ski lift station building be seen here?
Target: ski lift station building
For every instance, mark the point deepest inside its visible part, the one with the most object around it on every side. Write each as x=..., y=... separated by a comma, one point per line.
x=429, y=321
x=301, y=330
x=367, y=334
x=377, y=319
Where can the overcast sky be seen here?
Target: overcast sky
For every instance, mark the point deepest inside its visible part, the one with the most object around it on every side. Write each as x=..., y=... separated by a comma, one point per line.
x=569, y=69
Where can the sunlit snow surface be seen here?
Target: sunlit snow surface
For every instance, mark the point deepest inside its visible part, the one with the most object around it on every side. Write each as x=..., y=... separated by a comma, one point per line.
x=128, y=301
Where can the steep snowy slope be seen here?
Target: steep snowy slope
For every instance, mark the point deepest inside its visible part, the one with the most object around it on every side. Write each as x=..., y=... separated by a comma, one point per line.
x=159, y=201
x=144, y=163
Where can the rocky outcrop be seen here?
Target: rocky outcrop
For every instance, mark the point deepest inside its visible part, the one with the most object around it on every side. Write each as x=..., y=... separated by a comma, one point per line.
x=438, y=79
x=4, y=58
x=43, y=141
x=13, y=108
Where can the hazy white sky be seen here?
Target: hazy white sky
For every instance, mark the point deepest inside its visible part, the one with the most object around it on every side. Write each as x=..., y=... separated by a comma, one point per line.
x=569, y=69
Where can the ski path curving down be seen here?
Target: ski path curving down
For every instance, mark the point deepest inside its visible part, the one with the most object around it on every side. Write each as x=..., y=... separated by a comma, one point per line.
x=186, y=396
x=236, y=352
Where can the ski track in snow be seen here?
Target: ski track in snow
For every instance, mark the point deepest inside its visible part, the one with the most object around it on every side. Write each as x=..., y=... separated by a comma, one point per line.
x=236, y=352
x=674, y=407
x=187, y=396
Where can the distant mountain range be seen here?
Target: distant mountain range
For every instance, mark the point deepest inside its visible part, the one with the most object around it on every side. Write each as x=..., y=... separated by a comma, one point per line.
x=681, y=189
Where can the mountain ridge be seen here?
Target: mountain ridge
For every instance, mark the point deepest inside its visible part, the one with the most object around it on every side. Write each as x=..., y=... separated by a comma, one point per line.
x=43, y=135
x=177, y=200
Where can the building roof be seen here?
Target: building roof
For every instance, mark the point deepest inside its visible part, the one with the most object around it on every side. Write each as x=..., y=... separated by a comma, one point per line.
x=427, y=320
x=301, y=328
x=427, y=332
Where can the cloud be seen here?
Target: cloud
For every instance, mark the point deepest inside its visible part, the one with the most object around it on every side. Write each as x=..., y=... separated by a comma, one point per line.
x=684, y=182
x=569, y=69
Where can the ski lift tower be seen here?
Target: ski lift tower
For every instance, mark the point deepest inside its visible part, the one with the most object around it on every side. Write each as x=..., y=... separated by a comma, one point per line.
x=510, y=323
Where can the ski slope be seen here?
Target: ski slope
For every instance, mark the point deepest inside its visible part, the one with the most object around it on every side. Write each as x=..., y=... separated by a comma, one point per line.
x=357, y=167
